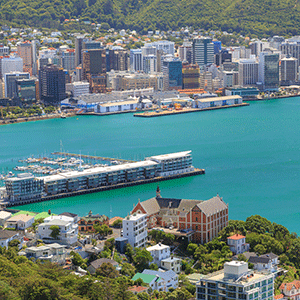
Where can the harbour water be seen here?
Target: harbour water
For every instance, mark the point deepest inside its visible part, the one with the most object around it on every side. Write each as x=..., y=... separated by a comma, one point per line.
x=251, y=156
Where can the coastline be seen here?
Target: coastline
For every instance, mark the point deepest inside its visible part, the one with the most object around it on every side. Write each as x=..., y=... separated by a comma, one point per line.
x=35, y=118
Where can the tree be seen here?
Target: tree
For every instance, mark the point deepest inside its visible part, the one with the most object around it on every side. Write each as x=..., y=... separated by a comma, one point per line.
x=14, y=243
x=128, y=270
x=107, y=270
x=141, y=259
x=55, y=231
x=77, y=260
x=117, y=223
x=260, y=249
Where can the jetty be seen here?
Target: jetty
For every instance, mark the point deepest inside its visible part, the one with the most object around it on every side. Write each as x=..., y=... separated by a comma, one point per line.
x=93, y=157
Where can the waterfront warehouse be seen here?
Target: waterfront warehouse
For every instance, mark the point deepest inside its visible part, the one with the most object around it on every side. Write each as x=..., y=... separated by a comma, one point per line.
x=23, y=188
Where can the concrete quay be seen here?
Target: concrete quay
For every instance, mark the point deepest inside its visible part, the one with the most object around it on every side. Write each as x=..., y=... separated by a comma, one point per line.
x=183, y=111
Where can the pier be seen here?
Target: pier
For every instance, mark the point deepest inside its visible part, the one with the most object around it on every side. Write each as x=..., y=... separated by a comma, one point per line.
x=120, y=160
x=105, y=188
x=184, y=111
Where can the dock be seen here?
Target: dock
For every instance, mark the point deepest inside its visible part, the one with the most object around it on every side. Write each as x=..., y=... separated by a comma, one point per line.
x=106, y=188
x=100, y=158
x=154, y=114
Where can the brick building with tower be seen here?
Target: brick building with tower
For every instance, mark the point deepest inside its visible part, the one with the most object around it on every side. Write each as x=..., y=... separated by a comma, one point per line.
x=202, y=219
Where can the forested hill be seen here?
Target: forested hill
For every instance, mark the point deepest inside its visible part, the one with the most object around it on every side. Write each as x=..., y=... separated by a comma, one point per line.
x=245, y=16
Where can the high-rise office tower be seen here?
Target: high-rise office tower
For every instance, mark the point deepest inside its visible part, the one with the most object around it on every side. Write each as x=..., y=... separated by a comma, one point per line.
x=10, y=64
x=172, y=72
x=268, y=72
x=190, y=76
x=68, y=59
x=248, y=72
x=52, y=84
x=10, y=83
x=94, y=69
x=26, y=53
x=202, y=51
x=136, y=60
x=288, y=68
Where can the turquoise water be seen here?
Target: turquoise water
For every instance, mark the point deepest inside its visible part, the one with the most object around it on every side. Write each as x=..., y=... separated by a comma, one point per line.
x=251, y=156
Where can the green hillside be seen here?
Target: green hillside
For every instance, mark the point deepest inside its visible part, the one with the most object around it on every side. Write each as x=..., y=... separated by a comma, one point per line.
x=244, y=16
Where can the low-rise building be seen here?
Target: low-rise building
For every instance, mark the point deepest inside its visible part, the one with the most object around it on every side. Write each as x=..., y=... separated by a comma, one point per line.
x=135, y=229
x=158, y=280
x=268, y=262
x=236, y=281
x=68, y=230
x=237, y=244
x=54, y=253
x=217, y=101
x=96, y=264
x=4, y=216
x=116, y=106
x=290, y=290
x=20, y=222
x=86, y=223
x=7, y=236
x=159, y=252
x=171, y=263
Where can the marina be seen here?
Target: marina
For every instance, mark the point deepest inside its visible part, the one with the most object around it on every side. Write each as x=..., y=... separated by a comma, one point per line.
x=27, y=188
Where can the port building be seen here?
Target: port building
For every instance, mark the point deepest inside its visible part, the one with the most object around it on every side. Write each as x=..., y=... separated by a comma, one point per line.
x=27, y=187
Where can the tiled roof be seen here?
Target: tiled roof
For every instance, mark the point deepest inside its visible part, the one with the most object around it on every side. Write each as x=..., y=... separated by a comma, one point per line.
x=150, y=206
x=137, y=289
x=6, y=234
x=17, y=218
x=212, y=206
x=278, y=296
x=290, y=285
x=236, y=237
x=112, y=220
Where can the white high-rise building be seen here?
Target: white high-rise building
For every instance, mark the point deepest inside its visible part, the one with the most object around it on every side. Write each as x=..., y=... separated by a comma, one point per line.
x=135, y=229
x=248, y=72
x=288, y=69
x=10, y=64
x=136, y=60
x=166, y=47
x=150, y=64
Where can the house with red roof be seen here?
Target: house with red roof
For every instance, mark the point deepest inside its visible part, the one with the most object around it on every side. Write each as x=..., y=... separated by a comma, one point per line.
x=237, y=244
x=290, y=290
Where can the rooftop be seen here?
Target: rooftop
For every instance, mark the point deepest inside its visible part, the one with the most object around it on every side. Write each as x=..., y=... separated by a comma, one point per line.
x=6, y=234
x=158, y=247
x=24, y=218
x=236, y=237
x=147, y=278
x=134, y=217
x=171, y=155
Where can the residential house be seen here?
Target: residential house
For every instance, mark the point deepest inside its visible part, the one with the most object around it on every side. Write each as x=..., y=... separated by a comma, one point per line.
x=202, y=220
x=20, y=222
x=237, y=244
x=4, y=216
x=159, y=252
x=68, y=230
x=171, y=263
x=158, y=280
x=96, y=264
x=135, y=289
x=86, y=223
x=135, y=229
x=266, y=262
x=54, y=253
x=7, y=236
x=290, y=290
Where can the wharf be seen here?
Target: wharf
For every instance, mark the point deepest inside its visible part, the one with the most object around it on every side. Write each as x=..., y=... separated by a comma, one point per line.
x=91, y=113
x=107, y=188
x=184, y=111
x=92, y=157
